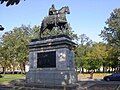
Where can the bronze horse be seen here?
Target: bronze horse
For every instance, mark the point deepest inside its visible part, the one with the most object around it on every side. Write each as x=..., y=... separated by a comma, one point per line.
x=59, y=20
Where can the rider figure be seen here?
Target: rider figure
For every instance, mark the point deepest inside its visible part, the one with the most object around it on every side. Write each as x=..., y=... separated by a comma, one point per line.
x=52, y=10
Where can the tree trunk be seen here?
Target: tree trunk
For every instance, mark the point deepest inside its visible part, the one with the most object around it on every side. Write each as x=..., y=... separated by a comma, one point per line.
x=82, y=70
x=112, y=70
x=103, y=69
x=22, y=67
x=4, y=69
x=109, y=69
x=13, y=72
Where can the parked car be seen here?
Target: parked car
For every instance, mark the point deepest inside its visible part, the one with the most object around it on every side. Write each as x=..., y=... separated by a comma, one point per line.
x=113, y=77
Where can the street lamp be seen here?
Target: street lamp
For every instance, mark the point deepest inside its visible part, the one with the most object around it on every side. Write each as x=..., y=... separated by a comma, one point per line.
x=1, y=28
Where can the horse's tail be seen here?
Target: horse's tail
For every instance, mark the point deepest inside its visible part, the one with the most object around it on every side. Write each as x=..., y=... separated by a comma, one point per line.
x=41, y=29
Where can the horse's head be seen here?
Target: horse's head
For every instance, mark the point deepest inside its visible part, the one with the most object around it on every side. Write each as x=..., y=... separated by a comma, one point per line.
x=67, y=10
x=64, y=10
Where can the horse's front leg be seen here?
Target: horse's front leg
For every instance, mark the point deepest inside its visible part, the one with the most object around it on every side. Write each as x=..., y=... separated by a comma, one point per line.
x=62, y=29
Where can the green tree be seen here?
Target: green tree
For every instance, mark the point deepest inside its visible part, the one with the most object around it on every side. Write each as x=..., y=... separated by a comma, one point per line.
x=16, y=43
x=96, y=55
x=4, y=59
x=111, y=32
x=112, y=61
x=81, y=50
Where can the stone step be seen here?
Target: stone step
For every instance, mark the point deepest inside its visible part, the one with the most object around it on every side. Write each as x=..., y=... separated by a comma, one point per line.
x=32, y=86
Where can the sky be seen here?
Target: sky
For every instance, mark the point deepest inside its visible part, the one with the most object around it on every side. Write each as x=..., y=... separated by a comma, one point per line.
x=86, y=16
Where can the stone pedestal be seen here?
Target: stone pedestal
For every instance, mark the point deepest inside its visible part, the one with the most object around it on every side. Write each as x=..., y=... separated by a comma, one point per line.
x=51, y=61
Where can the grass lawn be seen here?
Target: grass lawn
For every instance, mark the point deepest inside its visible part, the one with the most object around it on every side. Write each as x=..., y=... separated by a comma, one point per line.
x=9, y=77
x=95, y=76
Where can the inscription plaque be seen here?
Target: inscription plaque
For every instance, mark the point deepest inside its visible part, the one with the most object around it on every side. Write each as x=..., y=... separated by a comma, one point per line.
x=46, y=59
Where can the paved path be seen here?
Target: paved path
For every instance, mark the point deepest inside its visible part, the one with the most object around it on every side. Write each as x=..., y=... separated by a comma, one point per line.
x=5, y=87
x=99, y=85
x=83, y=85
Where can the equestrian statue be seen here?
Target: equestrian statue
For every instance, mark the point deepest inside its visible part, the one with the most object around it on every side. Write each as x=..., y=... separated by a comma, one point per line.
x=55, y=19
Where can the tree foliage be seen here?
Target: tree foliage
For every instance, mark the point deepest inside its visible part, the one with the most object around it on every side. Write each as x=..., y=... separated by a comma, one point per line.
x=92, y=56
x=111, y=32
x=14, y=46
x=96, y=55
x=81, y=50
